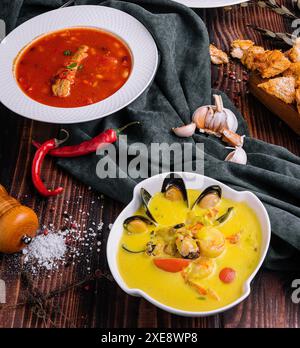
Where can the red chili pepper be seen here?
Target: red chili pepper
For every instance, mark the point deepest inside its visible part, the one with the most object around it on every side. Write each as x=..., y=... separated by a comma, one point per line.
x=37, y=163
x=89, y=146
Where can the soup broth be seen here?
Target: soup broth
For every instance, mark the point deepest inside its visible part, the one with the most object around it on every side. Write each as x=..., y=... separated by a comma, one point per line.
x=240, y=252
x=73, y=67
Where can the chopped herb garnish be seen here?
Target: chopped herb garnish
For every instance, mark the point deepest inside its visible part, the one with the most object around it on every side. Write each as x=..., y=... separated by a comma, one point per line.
x=67, y=53
x=201, y=298
x=72, y=65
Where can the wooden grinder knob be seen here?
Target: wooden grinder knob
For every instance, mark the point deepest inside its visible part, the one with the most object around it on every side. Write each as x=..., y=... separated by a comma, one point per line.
x=18, y=224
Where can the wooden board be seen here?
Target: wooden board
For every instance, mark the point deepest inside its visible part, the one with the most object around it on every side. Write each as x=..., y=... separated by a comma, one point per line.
x=103, y=303
x=286, y=112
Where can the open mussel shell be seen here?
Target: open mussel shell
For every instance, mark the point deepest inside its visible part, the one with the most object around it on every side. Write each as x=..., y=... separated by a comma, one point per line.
x=137, y=223
x=174, y=188
x=225, y=216
x=146, y=197
x=209, y=198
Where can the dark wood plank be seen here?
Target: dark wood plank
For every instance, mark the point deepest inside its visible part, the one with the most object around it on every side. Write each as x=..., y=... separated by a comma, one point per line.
x=269, y=304
x=102, y=303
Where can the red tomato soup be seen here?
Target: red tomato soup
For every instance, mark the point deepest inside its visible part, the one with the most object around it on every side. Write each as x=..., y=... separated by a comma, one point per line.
x=73, y=67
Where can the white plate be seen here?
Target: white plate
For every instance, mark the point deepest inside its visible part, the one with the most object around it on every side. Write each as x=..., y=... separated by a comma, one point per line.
x=209, y=3
x=130, y=30
x=192, y=181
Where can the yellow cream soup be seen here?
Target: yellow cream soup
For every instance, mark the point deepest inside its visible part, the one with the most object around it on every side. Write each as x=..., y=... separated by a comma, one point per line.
x=139, y=271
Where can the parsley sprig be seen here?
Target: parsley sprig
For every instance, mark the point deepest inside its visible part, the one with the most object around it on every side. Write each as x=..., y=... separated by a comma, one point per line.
x=67, y=53
x=72, y=66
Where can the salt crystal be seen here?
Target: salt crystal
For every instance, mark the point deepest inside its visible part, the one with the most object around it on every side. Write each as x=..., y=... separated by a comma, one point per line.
x=46, y=250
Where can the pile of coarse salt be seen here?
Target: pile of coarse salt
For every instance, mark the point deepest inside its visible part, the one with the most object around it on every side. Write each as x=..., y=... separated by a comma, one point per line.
x=46, y=251
x=73, y=242
x=66, y=246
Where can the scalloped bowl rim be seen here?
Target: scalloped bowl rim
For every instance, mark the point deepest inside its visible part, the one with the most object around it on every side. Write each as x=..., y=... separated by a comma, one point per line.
x=153, y=185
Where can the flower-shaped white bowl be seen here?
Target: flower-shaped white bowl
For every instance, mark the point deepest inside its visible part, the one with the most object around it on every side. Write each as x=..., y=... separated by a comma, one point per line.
x=192, y=181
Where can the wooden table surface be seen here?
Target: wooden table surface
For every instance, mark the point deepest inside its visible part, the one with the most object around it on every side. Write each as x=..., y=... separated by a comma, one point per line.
x=101, y=303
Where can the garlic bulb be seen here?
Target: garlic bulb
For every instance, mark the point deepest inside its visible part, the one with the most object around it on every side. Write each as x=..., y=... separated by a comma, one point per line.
x=185, y=131
x=237, y=156
x=214, y=118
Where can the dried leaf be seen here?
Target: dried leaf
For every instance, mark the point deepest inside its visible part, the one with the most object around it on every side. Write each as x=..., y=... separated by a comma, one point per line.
x=296, y=4
x=286, y=38
x=261, y=4
x=277, y=8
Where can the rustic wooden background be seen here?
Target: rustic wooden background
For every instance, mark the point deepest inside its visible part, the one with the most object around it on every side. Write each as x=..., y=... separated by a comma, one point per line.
x=101, y=303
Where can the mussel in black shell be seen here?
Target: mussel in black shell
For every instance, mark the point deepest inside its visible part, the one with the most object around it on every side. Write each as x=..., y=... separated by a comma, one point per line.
x=209, y=198
x=174, y=189
x=146, y=197
x=137, y=224
x=225, y=216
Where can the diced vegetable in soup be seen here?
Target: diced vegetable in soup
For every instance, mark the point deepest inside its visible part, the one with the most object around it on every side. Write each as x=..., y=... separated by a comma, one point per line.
x=190, y=256
x=73, y=67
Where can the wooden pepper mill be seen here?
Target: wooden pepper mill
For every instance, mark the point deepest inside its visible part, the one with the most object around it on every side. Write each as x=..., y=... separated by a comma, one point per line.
x=18, y=224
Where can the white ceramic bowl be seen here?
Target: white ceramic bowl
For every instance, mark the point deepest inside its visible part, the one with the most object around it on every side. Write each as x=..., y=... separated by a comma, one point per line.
x=192, y=181
x=209, y=3
x=119, y=23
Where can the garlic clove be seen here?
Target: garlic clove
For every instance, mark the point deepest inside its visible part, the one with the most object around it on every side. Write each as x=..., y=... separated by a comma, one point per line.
x=237, y=156
x=185, y=131
x=210, y=132
x=209, y=118
x=231, y=120
x=232, y=138
x=199, y=116
x=219, y=121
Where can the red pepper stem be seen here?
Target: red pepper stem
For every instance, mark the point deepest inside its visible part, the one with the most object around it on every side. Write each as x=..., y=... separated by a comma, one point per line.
x=119, y=130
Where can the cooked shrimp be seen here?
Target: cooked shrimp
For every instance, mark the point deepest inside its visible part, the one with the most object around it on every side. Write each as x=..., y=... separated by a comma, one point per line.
x=211, y=241
x=199, y=269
